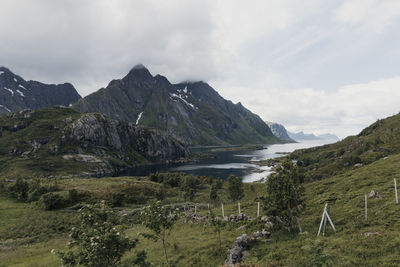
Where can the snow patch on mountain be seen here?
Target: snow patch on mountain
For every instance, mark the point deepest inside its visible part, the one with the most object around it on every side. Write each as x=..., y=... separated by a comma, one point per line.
x=20, y=93
x=181, y=97
x=1, y=106
x=139, y=117
x=11, y=91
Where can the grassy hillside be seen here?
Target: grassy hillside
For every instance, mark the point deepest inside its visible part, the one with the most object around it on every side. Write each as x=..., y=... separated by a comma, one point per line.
x=377, y=141
x=195, y=244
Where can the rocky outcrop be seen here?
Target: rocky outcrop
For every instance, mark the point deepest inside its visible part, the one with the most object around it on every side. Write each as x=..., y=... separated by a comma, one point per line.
x=192, y=112
x=238, y=218
x=97, y=134
x=279, y=131
x=18, y=94
x=239, y=249
x=93, y=143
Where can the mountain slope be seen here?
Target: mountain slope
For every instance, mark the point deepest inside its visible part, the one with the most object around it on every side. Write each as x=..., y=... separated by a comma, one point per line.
x=279, y=131
x=193, y=113
x=377, y=141
x=62, y=141
x=18, y=94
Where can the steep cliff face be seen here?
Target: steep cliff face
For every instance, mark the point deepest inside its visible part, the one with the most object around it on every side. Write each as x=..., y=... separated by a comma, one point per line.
x=98, y=135
x=18, y=94
x=62, y=141
x=191, y=112
x=279, y=131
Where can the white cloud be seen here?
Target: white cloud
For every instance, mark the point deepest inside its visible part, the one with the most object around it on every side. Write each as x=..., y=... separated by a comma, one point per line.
x=344, y=112
x=240, y=47
x=370, y=14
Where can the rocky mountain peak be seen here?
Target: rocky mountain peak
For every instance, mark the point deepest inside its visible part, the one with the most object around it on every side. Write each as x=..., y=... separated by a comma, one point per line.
x=18, y=94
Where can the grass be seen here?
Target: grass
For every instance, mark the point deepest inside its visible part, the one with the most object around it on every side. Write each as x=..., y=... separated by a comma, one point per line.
x=196, y=244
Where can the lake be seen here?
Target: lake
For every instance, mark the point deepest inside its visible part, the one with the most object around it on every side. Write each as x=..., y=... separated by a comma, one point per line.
x=240, y=163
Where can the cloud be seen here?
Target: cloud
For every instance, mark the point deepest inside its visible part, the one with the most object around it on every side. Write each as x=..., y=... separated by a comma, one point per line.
x=236, y=46
x=344, y=112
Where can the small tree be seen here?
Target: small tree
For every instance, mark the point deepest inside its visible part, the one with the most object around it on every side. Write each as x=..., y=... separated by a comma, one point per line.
x=217, y=226
x=214, y=195
x=96, y=238
x=284, y=200
x=159, y=220
x=235, y=188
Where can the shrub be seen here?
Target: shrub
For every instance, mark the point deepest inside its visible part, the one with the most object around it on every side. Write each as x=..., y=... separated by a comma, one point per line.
x=117, y=199
x=235, y=188
x=19, y=190
x=285, y=195
x=96, y=241
x=51, y=201
x=159, y=220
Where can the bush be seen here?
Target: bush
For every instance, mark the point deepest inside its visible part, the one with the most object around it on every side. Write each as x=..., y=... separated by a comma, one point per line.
x=235, y=188
x=117, y=199
x=96, y=241
x=285, y=195
x=73, y=196
x=19, y=190
x=51, y=201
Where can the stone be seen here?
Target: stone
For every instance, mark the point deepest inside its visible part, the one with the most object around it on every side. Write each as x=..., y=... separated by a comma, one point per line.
x=235, y=254
x=374, y=194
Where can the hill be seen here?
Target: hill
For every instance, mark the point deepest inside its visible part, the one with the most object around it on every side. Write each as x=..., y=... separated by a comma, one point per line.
x=192, y=112
x=17, y=94
x=59, y=141
x=377, y=141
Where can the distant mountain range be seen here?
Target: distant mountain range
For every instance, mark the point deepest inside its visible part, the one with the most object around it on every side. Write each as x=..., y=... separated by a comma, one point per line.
x=280, y=131
x=192, y=112
x=300, y=136
x=18, y=94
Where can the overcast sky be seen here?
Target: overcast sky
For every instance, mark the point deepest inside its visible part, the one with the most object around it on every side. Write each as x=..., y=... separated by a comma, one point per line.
x=312, y=65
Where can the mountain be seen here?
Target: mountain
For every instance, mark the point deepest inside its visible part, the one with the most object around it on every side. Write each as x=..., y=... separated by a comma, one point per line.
x=18, y=94
x=60, y=140
x=192, y=112
x=377, y=141
x=300, y=136
x=279, y=131
x=328, y=136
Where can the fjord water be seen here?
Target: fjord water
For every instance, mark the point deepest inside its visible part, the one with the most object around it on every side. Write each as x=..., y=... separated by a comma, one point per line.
x=240, y=163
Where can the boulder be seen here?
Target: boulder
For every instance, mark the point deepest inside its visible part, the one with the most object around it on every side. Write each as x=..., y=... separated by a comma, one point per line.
x=239, y=248
x=374, y=194
x=235, y=254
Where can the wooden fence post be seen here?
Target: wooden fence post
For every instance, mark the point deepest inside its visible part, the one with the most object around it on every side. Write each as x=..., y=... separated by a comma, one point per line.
x=239, y=207
x=395, y=191
x=258, y=209
x=366, y=208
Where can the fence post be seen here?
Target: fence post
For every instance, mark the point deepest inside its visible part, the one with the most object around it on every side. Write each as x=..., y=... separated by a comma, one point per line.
x=395, y=191
x=366, y=208
x=195, y=209
x=258, y=209
x=222, y=207
x=239, y=207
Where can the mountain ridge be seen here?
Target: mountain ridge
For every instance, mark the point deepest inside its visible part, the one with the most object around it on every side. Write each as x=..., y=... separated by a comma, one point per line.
x=18, y=94
x=192, y=112
x=279, y=131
